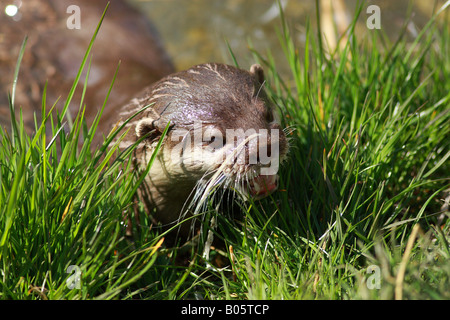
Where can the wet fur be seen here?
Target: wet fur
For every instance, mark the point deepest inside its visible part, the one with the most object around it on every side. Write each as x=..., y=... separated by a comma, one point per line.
x=222, y=97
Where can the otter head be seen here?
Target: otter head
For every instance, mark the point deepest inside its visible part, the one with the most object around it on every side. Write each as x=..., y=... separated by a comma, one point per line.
x=224, y=133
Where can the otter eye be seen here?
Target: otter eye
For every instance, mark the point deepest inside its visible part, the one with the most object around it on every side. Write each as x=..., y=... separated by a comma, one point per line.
x=214, y=140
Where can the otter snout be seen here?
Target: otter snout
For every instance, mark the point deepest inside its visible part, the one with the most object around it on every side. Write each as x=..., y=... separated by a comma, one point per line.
x=224, y=134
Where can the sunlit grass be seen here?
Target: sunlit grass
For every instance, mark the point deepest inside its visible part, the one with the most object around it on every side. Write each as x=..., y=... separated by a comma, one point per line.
x=360, y=213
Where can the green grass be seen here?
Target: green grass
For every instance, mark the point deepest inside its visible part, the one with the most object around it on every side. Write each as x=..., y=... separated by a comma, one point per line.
x=363, y=189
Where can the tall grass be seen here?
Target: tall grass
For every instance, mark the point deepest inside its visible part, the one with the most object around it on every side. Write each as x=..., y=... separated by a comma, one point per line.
x=63, y=205
x=368, y=164
x=360, y=212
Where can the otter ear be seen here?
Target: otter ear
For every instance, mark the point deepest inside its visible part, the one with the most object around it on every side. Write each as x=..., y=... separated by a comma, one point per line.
x=144, y=126
x=257, y=71
x=156, y=127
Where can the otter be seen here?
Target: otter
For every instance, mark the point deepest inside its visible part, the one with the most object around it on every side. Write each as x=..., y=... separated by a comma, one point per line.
x=55, y=49
x=223, y=132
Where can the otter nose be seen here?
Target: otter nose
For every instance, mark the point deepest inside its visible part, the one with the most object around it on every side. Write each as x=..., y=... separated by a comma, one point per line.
x=263, y=185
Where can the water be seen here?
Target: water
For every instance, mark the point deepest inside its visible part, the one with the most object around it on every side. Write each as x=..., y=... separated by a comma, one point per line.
x=197, y=31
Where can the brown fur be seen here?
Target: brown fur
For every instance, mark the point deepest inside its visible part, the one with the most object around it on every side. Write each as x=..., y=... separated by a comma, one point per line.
x=54, y=53
x=222, y=97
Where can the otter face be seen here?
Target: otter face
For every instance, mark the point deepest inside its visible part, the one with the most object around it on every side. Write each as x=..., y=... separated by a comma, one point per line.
x=224, y=132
